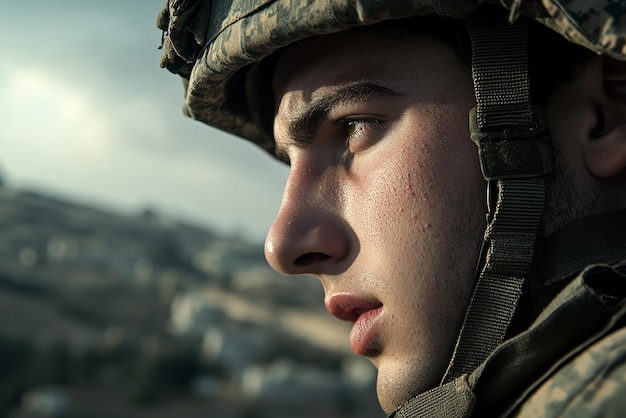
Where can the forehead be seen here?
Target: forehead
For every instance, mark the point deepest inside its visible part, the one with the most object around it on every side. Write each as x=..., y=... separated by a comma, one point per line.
x=340, y=57
x=361, y=54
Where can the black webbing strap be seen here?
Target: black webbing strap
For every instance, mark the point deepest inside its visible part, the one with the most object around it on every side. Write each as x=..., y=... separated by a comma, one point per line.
x=500, y=79
x=515, y=152
x=510, y=237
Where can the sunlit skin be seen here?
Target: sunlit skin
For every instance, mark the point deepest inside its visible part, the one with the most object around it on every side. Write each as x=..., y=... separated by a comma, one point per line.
x=385, y=200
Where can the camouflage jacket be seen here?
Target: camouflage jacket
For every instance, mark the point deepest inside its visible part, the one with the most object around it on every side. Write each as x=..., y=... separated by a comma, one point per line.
x=571, y=361
x=592, y=384
x=590, y=380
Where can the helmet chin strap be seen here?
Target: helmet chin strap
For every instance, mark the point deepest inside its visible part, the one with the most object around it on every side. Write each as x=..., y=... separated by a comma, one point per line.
x=515, y=157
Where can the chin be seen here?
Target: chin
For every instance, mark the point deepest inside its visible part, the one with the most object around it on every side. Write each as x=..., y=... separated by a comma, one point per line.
x=396, y=385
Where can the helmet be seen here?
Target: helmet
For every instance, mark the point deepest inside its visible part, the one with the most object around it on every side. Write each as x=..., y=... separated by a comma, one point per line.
x=222, y=50
x=214, y=45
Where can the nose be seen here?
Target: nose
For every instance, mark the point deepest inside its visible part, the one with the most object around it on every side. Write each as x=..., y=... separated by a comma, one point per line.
x=309, y=235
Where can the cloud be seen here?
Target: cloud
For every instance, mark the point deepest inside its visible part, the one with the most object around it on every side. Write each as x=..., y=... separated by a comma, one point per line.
x=52, y=117
x=88, y=113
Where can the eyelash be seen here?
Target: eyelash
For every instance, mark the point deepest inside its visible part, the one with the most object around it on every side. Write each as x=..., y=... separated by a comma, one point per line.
x=342, y=127
x=366, y=123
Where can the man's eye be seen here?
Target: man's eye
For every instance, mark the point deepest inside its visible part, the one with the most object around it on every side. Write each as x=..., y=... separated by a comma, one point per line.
x=354, y=127
x=361, y=132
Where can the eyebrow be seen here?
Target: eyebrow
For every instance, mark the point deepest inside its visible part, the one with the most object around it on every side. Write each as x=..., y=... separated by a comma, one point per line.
x=303, y=128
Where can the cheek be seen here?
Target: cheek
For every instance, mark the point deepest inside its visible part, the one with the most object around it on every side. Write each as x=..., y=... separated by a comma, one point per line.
x=419, y=174
x=414, y=181
x=396, y=199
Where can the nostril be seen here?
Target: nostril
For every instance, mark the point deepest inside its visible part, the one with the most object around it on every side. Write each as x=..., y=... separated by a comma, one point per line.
x=310, y=258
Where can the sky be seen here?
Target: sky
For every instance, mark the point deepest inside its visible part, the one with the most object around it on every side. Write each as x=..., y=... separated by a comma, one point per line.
x=86, y=114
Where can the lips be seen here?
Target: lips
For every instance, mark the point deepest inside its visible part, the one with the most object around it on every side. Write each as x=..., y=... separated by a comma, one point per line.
x=364, y=313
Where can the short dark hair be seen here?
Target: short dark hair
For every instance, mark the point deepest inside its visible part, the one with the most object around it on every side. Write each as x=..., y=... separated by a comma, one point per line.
x=553, y=60
x=450, y=31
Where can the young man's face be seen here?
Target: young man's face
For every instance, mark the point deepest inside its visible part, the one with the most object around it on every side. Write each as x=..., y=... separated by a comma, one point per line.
x=385, y=199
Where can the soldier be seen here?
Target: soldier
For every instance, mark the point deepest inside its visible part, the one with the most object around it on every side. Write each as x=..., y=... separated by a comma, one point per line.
x=518, y=314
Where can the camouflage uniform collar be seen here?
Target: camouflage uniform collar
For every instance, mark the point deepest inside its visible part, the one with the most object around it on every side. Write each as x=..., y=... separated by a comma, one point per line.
x=558, y=335
x=212, y=44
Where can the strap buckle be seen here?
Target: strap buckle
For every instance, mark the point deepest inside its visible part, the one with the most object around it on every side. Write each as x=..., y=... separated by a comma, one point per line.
x=513, y=153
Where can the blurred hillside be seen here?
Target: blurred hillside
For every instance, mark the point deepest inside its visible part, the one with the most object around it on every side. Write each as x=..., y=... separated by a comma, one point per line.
x=113, y=316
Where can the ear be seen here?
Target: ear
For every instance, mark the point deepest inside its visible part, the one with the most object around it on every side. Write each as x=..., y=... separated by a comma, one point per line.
x=605, y=156
x=605, y=150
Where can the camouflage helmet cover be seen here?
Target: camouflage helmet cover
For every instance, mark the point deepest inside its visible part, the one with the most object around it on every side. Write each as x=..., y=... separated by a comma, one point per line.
x=212, y=44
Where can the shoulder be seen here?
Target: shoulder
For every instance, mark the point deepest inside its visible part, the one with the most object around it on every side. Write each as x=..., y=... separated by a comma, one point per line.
x=592, y=384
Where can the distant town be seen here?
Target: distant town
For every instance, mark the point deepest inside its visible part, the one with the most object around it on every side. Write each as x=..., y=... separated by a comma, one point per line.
x=109, y=315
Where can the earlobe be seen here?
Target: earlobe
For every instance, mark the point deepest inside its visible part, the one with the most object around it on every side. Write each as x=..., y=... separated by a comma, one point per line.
x=605, y=156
